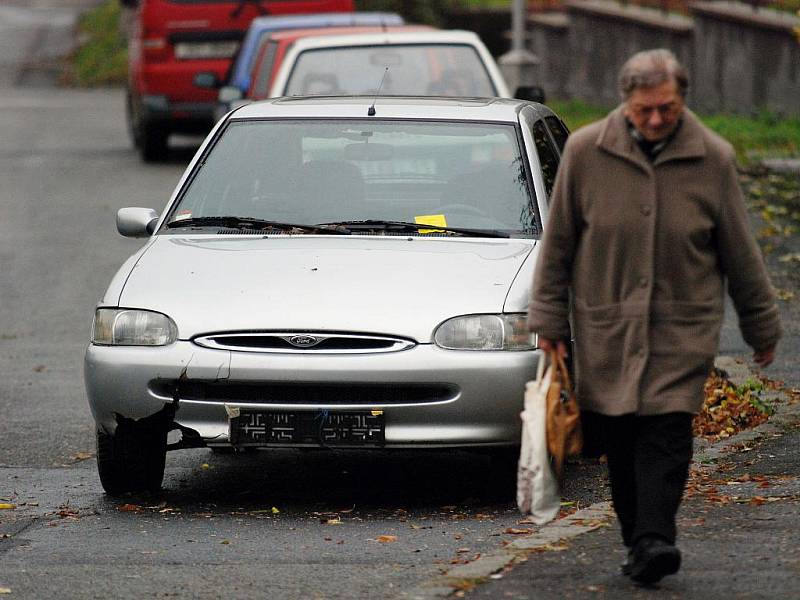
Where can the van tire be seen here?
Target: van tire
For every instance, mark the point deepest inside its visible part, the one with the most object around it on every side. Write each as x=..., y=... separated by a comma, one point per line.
x=153, y=142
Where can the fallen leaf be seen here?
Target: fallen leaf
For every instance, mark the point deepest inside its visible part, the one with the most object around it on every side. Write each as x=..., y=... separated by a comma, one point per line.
x=275, y=511
x=39, y=368
x=7, y=506
x=5, y=590
x=386, y=539
x=129, y=508
x=79, y=456
x=205, y=466
x=334, y=521
x=225, y=542
x=518, y=530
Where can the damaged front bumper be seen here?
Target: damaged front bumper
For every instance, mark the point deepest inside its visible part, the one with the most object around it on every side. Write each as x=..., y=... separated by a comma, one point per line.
x=430, y=397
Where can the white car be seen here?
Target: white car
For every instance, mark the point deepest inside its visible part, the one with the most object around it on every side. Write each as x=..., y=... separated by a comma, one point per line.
x=415, y=63
x=329, y=272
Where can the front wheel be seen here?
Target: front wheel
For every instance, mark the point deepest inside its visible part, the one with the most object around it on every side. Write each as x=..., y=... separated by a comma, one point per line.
x=131, y=461
x=153, y=142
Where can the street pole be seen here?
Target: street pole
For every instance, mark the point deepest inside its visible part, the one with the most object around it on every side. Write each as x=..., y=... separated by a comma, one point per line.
x=518, y=65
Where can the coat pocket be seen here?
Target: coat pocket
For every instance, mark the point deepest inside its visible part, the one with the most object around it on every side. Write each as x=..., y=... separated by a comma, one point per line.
x=691, y=328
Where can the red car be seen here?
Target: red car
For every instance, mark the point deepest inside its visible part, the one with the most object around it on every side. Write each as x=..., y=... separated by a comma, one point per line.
x=170, y=42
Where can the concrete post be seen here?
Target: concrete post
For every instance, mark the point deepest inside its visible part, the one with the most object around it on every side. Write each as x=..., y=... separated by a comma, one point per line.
x=519, y=66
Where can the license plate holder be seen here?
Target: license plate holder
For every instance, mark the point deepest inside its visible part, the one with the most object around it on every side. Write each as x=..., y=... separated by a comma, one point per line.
x=253, y=427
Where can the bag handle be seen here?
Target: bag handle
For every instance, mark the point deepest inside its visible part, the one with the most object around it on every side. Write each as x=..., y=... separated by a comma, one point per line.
x=561, y=369
x=540, y=367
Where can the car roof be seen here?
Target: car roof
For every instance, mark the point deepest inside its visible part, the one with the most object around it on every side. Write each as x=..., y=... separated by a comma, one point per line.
x=260, y=26
x=389, y=107
x=296, y=34
x=332, y=19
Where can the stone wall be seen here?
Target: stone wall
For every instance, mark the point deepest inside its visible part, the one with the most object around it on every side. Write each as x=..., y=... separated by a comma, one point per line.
x=739, y=60
x=745, y=61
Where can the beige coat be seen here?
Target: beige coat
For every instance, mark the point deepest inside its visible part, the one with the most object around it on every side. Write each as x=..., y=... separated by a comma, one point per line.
x=644, y=250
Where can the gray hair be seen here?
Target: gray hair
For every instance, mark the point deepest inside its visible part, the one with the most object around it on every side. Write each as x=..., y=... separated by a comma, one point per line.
x=650, y=68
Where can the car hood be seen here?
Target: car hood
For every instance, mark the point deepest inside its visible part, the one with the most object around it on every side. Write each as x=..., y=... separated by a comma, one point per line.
x=403, y=286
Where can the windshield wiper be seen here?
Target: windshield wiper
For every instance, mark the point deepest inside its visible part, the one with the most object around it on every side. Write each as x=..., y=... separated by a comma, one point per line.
x=400, y=226
x=248, y=223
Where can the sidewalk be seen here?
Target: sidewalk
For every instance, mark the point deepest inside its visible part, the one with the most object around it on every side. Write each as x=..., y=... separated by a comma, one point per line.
x=738, y=530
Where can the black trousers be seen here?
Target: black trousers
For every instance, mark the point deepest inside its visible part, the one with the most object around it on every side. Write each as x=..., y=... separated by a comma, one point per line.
x=648, y=464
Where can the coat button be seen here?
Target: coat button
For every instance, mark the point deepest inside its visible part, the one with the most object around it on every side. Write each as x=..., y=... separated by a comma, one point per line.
x=646, y=209
x=643, y=281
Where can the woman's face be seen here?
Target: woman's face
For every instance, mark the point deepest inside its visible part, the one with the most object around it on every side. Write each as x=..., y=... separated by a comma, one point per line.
x=655, y=111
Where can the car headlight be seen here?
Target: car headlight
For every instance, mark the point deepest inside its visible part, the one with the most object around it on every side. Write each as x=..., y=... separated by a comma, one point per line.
x=485, y=332
x=129, y=327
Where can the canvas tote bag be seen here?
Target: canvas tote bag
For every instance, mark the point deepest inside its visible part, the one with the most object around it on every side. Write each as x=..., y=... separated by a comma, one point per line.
x=537, y=488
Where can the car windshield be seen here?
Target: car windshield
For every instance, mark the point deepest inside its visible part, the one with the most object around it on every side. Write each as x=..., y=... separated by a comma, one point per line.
x=414, y=70
x=450, y=174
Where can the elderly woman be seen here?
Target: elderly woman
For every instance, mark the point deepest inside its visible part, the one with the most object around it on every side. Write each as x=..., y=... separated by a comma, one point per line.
x=646, y=224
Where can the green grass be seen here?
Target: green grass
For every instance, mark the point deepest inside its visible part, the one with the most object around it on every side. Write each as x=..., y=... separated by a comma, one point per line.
x=102, y=59
x=762, y=136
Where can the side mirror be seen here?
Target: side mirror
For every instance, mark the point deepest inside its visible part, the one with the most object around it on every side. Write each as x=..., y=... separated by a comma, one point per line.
x=206, y=80
x=533, y=93
x=136, y=222
x=228, y=94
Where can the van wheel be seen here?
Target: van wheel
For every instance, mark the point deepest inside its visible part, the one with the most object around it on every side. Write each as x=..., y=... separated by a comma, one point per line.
x=131, y=461
x=153, y=142
x=133, y=121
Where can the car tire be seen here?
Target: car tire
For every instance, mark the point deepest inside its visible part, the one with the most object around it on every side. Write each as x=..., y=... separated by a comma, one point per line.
x=500, y=483
x=131, y=461
x=153, y=142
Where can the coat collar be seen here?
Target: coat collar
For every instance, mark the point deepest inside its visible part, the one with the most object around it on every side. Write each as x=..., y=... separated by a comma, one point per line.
x=615, y=138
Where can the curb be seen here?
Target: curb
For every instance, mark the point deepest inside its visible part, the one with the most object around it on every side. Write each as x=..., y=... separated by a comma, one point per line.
x=583, y=521
x=597, y=515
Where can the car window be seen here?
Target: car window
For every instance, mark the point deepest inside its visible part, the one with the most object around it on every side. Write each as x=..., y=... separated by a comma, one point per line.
x=465, y=174
x=421, y=70
x=548, y=157
x=558, y=130
x=263, y=68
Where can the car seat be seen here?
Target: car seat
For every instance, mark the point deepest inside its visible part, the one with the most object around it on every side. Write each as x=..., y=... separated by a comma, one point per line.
x=336, y=187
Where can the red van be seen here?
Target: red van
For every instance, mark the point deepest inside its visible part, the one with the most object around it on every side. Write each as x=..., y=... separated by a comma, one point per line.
x=172, y=40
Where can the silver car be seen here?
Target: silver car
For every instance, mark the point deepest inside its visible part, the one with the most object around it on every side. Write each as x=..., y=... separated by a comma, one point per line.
x=329, y=272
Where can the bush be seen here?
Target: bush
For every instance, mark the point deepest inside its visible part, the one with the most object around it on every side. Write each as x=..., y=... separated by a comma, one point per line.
x=103, y=58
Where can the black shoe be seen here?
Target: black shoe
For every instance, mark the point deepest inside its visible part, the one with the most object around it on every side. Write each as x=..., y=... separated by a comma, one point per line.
x=627, y=566
x=653, y=558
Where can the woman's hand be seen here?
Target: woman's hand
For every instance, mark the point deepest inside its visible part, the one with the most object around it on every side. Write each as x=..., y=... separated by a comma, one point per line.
x=549, y=345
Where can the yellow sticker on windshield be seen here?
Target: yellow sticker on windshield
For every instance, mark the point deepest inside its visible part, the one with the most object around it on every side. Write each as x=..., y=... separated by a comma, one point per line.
x=430, y=220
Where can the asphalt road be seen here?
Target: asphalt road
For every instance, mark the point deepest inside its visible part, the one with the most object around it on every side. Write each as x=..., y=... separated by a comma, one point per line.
x=275, y=525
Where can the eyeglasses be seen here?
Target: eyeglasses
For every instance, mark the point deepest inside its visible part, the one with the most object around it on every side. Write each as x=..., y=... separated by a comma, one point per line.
x=666, y=111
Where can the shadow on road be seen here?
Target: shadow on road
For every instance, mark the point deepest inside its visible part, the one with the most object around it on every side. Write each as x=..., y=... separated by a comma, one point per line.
x=325, y=480
x=375, y=481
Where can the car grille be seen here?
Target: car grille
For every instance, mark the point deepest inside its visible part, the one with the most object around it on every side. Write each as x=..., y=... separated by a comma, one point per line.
x=312, y=393
x=303, y=342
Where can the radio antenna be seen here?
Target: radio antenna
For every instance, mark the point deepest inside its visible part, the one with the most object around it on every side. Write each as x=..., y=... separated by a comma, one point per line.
x=371, y=109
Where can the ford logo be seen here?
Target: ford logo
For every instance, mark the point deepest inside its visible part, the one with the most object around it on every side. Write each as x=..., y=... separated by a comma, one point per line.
x=304, y=341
